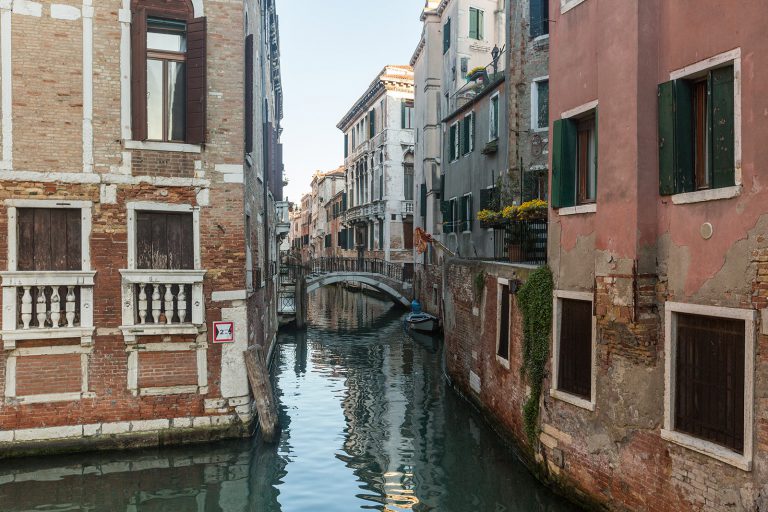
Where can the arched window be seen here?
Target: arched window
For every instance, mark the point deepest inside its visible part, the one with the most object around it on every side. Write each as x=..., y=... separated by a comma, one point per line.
x=168, y=67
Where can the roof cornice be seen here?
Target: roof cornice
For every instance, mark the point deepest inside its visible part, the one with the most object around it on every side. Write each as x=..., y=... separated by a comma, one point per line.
x=390, y=78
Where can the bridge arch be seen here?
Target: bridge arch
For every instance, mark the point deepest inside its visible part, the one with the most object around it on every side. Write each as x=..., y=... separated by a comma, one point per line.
x=374, y=281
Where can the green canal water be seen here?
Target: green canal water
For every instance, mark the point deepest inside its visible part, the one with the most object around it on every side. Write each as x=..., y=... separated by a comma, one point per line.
x=368, y=423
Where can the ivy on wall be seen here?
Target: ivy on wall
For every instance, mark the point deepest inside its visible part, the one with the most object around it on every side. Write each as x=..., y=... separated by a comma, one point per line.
x=535, y=300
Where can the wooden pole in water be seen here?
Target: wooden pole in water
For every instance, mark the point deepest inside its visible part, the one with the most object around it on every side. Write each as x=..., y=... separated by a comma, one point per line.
x=258, y=375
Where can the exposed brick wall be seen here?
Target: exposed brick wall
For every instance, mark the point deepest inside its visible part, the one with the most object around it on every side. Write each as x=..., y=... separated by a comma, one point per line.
x=37, y=375
x=47, y=94
x=165, y=164
x=157, y=369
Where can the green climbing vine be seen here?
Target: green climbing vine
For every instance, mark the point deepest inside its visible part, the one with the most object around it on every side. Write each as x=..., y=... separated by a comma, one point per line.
x=535, y=299
x=479, y=284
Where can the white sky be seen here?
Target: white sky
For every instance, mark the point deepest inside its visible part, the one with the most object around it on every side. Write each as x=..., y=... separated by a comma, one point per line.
x=331, y=50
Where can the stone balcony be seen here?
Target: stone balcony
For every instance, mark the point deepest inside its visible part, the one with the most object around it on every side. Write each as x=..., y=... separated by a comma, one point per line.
x=364, y=212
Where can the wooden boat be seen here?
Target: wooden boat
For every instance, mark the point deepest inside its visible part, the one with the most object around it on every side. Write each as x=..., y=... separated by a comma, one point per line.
x=421, y=322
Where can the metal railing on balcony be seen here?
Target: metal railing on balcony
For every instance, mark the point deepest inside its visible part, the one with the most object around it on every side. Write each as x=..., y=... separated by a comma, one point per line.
x=522, y=241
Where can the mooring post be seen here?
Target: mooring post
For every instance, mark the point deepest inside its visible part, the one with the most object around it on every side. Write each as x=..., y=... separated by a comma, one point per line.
x=301, y=301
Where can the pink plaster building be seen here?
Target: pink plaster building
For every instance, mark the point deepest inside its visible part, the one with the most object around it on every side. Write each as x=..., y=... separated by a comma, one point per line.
x=658, y=381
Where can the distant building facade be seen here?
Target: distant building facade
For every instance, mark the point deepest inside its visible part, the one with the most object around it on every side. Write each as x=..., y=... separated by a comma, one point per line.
x=379, y=167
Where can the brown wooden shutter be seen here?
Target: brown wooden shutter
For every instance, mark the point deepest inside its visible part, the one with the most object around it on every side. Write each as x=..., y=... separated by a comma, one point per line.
x=249, y=94
x=164, y=241
x=139, y=74
x=503, y=341
x=575, y=372
x=49, y=239
x=196, y=81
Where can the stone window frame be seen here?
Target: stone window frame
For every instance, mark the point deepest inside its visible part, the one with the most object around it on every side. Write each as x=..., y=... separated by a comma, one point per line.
x=716, y=451
x=10, y=375
x=494, y=119
x=125, y=17
x=567, y=5
x=84, y=333
x=557, y=312
x=581, y=110
x=535, y=105
x=129, y=330
x=730, y=57
x=86, y=329
x=500, y=283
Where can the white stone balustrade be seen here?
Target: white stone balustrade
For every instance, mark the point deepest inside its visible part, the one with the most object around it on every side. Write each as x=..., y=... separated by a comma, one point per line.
x=157, y=302
x=407, y=207
x=32, y=306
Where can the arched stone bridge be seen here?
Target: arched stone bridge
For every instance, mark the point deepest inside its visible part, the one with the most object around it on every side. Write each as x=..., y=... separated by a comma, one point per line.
x=393, y=279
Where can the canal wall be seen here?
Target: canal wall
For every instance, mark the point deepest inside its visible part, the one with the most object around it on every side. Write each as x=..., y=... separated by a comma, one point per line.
x=612, y=457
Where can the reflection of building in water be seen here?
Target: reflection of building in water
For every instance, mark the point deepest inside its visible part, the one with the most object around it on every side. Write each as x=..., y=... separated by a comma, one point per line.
x=389, y=433
x=341, y=310
x=189, y=480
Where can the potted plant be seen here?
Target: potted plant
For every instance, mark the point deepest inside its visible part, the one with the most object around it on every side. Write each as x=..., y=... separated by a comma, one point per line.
x=478, y=74
x=489, y=218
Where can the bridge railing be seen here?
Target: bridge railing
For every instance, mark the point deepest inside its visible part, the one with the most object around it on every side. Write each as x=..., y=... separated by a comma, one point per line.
x=402, y=272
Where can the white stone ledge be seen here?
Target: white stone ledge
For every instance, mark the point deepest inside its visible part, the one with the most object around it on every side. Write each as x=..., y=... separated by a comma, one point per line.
x=571, y=399
x=228, y=295
x=112, y=428
x=27, y=8
x=578, y=210
x=721, y=453
x=712, y=194
x=80, y=177
x=163, y=146
x=64, y=12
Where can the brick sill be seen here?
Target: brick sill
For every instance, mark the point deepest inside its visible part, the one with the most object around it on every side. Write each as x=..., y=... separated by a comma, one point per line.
x=743, y=462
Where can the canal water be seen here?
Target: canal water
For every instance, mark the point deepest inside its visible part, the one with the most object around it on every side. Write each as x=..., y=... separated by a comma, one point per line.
x=368, y=423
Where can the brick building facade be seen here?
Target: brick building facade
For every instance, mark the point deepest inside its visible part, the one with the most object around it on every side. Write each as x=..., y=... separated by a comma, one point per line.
x=138, y=196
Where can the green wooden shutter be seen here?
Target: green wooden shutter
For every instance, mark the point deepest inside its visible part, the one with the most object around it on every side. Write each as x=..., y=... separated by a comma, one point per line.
x=346, y=145
x=480, y=24
x=536, y=21
x=372, y=123
x=473, y=23
x=597, y=152
x=447, y=35
x=451, y=142
x=666, y=105
x=676, y=171
x=423, y=200
x=465, y=136
x=721, y=127
x=402, y=114
x=564, y=163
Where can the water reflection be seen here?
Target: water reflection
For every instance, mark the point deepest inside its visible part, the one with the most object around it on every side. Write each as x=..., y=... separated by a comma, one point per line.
x=367, y=424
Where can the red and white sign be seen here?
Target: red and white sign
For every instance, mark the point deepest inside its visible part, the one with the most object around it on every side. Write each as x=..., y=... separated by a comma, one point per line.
x=223, y=332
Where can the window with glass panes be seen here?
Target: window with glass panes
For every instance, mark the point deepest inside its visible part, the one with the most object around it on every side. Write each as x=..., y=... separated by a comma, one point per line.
x=166, y=84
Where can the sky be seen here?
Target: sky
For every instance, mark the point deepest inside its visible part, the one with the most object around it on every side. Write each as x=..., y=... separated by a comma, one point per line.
x=330, y=52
